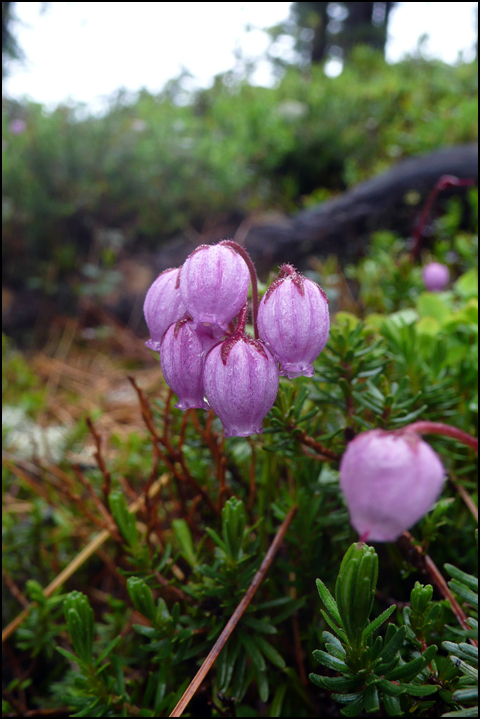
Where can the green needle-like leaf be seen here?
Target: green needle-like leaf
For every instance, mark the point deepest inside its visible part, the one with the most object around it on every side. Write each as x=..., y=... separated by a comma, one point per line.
x=329, y=602
x=376, y=623
x=409, y=671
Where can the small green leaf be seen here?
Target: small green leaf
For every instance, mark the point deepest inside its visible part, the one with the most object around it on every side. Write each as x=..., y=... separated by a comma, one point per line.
x=466, y=695
x=333, y=626
x=184, y=538
x=276, y=707
x=420, y=690
x=409, y=671
x=142, y=597
x=339, y=684
x=351, y=710
x=463, y=577
x=373, y=626
x=347, y=698
x=390, y=650
x=465, y=668
x=268, y=651
x=68, y=655
x=253, y=651
x=213, y=534
x=390, y=689
x=334, y=642
x=262, y=681
x=259, y=625
x=329, y=602
x=371, y=699
x=124, y=519
x=392, y=706
x=109, y=649
x=464, y=592
x=330, y=661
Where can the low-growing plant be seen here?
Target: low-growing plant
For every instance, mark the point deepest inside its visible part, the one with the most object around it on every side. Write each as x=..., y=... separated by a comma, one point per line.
x=188, y=557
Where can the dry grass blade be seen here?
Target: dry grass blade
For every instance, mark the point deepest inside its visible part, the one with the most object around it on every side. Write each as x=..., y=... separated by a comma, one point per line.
x=234, y=619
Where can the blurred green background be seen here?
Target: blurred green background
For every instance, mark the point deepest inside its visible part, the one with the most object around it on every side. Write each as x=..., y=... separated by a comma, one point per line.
x=81, y=192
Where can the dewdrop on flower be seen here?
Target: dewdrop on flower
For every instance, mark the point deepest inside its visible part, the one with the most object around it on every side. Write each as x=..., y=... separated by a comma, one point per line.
x=182, y=353
x=389, y=480
x=214, y=286
x=163, y=305
x=241, y=382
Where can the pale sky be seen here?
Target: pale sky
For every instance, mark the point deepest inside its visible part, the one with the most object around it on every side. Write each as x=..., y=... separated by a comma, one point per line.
x=84, y=51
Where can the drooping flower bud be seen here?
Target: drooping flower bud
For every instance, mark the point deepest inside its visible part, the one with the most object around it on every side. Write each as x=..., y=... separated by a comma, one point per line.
x=241, y=383
x=163, y=305
x=214, y=285
x=293, y=318
x=182, y=353
x=389, y=481
x=435, y=276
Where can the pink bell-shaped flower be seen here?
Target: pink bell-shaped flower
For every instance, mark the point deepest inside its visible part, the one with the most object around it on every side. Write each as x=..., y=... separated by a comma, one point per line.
x=435, y=276
x=214, y=285
x=241, y=382
x=389, y=481
x=163, y=305
x=293, y=318
x=182, y=353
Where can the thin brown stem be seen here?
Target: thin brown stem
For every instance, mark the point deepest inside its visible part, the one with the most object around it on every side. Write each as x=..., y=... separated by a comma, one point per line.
x=100, y=461
x=317, y=446
x=442, y=184
x=107, y=518
x=77, y=562
x=465, y=496
x=235, y=618
x=175, y=456
x=424, y=563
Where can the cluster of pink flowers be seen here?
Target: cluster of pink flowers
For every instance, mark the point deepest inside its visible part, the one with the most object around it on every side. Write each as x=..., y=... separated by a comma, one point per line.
x=197, y=315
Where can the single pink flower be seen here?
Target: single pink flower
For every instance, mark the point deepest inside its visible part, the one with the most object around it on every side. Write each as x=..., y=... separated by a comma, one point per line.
x=182, y=353
x=214, y=285
x=163, y=305
x=435, y=276
x=389, y=480
x=293, y=318
x=241, y=383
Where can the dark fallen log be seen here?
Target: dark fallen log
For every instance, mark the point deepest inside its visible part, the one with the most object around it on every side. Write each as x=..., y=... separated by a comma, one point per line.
x=343, y=225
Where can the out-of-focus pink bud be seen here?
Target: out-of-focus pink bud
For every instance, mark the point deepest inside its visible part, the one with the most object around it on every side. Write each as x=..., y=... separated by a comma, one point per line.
x=389, y=481
x=163, y=305
x=435, y=276
x=182, y=353
x=293, y=318
x=214, y=285
x=241, y=383
x=18, y=126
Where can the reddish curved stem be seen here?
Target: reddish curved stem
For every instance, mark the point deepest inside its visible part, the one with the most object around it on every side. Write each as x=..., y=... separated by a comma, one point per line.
x=442, y=184
x=447, y=430
x=253, y=275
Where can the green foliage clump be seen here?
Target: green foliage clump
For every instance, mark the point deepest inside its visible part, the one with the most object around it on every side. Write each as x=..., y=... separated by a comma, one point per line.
x=78, y=188
x=157, y=546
